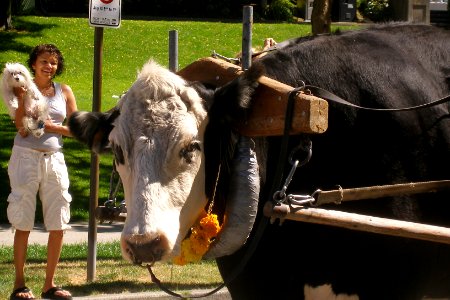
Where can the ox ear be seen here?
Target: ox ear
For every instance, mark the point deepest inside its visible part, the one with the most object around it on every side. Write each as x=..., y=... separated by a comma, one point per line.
x=232, y=100
x=93, y=128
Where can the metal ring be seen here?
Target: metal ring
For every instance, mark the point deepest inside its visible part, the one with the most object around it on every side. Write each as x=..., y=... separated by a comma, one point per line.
x=277, y=198
x=298, y=89
x=316, y=200
x=306, y=159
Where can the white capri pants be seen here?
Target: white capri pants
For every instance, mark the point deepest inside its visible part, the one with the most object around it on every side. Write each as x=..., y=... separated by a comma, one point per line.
x=30, y=172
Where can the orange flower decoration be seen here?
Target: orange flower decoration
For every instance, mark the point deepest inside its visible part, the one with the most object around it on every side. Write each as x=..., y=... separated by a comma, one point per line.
x=202, y=234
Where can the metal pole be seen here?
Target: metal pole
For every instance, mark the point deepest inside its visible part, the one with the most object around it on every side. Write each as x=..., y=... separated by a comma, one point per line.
x=173, y=50
x=247, y=22
x=93, y=200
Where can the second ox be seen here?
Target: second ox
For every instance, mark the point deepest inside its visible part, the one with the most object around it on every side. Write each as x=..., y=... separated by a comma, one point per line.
x=169, y=136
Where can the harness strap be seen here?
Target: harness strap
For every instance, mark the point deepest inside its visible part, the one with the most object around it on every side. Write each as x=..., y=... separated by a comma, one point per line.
x=321, y=93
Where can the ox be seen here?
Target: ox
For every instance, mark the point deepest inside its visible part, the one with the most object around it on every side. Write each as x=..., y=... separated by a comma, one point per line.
x=169, y=135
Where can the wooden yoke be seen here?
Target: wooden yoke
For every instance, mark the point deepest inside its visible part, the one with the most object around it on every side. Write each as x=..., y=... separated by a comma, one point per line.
x=267, y=113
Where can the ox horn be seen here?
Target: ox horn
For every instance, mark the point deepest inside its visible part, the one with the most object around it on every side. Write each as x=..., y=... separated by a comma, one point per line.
x=242, y=204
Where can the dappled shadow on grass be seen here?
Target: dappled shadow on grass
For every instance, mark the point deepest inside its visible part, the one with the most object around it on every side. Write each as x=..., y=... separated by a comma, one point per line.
x=116, y=287
x=8, y=39
x=7, y=133
x=125, y=286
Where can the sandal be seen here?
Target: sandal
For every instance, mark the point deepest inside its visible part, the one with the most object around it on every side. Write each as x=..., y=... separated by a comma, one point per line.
x=51, y=294
x=24, y=289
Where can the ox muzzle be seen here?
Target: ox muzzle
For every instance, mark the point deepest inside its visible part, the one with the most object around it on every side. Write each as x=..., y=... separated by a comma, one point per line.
x=144, y=248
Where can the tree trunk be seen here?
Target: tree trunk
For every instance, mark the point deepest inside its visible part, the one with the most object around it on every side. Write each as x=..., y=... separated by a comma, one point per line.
x=263, y=3
x=5, y=14
x=262, y=7
x=321, y=16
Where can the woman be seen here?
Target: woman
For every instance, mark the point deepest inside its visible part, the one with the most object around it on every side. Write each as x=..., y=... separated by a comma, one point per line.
x=37, y=165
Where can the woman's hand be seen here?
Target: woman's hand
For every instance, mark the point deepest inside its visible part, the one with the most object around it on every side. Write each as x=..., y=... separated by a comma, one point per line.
x=23, y=133
x=49, y=126
x=269, y=42
x=19, y=92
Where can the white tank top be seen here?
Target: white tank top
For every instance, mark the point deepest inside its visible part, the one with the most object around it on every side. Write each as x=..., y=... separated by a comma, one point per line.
x=49, y=141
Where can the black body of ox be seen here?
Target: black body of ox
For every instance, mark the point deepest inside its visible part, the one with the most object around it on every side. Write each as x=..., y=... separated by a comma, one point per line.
x=384, y=67
x=388, y=66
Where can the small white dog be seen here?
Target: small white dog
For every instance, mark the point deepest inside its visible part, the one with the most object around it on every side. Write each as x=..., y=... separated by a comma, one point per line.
x=36, y=107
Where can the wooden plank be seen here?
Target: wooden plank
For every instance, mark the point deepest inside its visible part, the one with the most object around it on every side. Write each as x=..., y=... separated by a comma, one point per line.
x=267, y=114
x=360, y=222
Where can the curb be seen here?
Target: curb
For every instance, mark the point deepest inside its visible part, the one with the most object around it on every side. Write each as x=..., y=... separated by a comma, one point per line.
x=220, y=295
x=77, y=234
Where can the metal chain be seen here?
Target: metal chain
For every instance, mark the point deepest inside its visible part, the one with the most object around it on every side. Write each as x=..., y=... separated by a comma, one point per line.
x=236, y=61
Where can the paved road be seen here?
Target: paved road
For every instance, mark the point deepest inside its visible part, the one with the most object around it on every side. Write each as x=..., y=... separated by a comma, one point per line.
x=105, y=233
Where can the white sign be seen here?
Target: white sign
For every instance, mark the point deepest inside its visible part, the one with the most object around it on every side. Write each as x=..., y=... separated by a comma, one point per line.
x=104, y=13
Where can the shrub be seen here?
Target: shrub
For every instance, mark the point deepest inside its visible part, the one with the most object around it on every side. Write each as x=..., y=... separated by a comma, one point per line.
x=280, y=10
x=376, y=10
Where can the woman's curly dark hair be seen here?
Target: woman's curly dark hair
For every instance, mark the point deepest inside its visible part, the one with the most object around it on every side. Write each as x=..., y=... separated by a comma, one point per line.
x=50, y=48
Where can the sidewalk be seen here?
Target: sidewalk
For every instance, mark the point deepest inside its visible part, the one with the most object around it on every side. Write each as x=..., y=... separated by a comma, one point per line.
x=77, y=234
x=105, y=233
x=220, y=295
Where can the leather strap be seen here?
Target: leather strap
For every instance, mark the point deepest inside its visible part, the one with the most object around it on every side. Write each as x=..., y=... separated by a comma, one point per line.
x=321, y=93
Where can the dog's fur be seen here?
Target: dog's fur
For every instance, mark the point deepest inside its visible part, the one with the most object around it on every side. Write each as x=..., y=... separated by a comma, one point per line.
x=36, y=107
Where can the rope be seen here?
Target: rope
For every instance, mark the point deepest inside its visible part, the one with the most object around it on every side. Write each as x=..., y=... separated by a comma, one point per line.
x=211, y=204
x=339, y=195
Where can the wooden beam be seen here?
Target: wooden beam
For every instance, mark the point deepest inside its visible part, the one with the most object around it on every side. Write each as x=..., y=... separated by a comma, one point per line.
x=359, y=222
x=267, y=114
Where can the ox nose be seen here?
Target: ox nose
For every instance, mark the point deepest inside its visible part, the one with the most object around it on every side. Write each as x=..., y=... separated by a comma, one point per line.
x=142, y=249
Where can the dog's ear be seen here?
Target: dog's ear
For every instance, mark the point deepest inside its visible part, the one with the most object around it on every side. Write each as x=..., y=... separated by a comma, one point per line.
x=8, y=96
x=26, y=73
x=93, y=128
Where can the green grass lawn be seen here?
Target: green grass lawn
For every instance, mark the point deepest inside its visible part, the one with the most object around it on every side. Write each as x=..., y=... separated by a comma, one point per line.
x=125, y=50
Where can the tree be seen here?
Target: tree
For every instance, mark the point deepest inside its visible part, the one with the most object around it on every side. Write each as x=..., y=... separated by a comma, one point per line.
x=321, y=16
x=5, y=14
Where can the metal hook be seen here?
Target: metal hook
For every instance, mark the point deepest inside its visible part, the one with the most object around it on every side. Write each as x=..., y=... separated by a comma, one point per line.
x=280, y=196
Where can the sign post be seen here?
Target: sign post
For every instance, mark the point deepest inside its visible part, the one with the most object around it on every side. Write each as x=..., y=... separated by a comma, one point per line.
x=102, y=13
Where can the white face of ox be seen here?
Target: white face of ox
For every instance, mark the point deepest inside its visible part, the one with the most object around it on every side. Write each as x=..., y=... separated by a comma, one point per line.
x=157, y=140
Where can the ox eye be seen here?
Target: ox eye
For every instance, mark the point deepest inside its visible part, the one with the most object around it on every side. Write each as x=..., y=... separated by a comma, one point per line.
x=188, y=152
